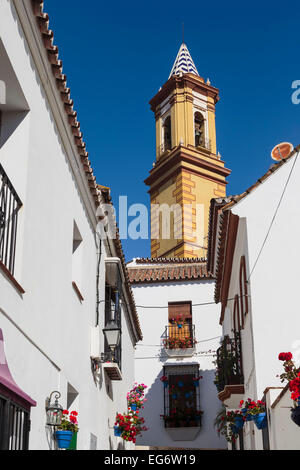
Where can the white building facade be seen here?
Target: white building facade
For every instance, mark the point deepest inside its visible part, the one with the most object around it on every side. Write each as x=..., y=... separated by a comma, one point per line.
x=253, y=254
x=164, y=289
x=59, y=284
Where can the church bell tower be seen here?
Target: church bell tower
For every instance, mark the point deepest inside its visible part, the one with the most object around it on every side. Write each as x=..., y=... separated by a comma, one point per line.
x=188, y=171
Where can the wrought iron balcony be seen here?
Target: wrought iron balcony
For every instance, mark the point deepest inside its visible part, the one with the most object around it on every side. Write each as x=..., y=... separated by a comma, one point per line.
x=229, y=363
x=179, y=340
x=10, y=204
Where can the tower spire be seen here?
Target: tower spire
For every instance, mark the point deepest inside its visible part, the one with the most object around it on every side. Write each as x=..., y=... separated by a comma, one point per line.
x=184, y=62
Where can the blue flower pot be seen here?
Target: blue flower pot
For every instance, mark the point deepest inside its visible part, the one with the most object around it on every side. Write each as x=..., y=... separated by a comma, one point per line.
x=63, y=439
x=196, y=383
x=117, y=431
x=133, y=406
x=295, y=415
x=244, y=413
x=260, y=420
x=165, y=384
x=239, y=422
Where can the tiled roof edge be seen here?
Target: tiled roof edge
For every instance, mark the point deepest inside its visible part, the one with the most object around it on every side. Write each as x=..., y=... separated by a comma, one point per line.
x=61, y=82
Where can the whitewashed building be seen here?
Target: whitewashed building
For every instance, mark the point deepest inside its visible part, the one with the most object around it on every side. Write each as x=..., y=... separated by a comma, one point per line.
x=253, y=254
x=59, y=284
x=164, y=289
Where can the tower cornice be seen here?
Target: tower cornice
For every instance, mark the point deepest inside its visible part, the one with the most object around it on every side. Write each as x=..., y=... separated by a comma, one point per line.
x=181, y=156
x=188, y=80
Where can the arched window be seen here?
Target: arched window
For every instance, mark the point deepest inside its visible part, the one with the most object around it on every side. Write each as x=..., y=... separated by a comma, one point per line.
x=243, y=287
x=238, y=319
x=199, y=130
x=167, y=134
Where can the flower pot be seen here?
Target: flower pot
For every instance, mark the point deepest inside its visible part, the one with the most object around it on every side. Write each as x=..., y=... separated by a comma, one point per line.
x=63, y=439
x=73, y=443
x=196, y=383
x=133, y=406
x=165, y=384
x=247, y=415
x=260, y=420
x=239, y=422
x=117, y=431
x=295, y=415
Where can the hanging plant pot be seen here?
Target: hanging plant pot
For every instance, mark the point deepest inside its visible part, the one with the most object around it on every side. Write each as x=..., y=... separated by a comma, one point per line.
x=133, y=406
x=295, y=415
x=63, y=439
x=117, y=431
x=248, y=416
x=165, y=384
x=260, y=420
x=238, y=422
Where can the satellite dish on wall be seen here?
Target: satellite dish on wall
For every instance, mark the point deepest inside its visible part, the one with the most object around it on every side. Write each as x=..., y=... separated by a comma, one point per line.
x=281, y=151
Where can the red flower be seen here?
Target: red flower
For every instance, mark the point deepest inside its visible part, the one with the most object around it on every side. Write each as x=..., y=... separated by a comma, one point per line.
x=65, y=412
x=285, y=356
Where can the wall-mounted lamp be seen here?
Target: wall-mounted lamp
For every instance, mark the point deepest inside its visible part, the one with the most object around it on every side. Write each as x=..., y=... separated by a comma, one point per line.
x=112, y=334
x=54, y=410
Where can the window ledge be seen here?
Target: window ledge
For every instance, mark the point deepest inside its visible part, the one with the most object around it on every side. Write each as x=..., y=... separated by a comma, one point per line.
x=11, y=278
x=184, y=433
x=180, y=352
x=76, y=289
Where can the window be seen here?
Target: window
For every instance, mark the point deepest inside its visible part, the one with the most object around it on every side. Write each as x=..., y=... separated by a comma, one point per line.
x=167, y=134
x=243, y=288
x=14, y=425
x=10, y=205
x=182, y=397
x=77, y=257
x=199, y=130
x=238, y=319
x=180, y=326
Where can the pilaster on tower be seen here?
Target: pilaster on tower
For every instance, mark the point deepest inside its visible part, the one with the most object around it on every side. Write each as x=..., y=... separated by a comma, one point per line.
x=188, y=171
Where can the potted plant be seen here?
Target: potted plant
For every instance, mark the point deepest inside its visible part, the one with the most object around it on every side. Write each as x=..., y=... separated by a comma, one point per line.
x=257, y=410
x=225, y=423
x=128, y=426
x=135, y=397
x=164, y=380
x=66, y=430
x=245, y=407
x=179, y=321
x=196, y=380
x=292, y=375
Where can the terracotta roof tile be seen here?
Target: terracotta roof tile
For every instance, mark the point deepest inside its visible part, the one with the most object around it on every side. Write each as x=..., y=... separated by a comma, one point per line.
x=181, y=271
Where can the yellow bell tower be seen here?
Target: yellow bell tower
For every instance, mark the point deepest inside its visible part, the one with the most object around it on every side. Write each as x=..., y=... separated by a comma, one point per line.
x=188, y=172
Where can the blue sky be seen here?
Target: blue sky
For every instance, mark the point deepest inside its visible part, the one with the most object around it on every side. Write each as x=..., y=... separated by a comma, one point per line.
x=116, y=55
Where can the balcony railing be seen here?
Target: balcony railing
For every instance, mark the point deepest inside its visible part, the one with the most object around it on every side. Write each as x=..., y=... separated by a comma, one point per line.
x=202, y=142
x=10, y=204
x=229, y=363
x=182, y=337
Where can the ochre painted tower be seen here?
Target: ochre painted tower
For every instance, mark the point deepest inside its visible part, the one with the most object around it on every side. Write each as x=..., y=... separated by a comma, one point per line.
x=188, y=172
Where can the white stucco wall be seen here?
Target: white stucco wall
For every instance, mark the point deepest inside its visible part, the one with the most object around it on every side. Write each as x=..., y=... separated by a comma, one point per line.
x=272, y=323
x=150, y=359
x=47, y=331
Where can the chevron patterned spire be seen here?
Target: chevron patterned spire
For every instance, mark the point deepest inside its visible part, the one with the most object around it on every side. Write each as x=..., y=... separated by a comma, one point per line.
x=184, y=62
